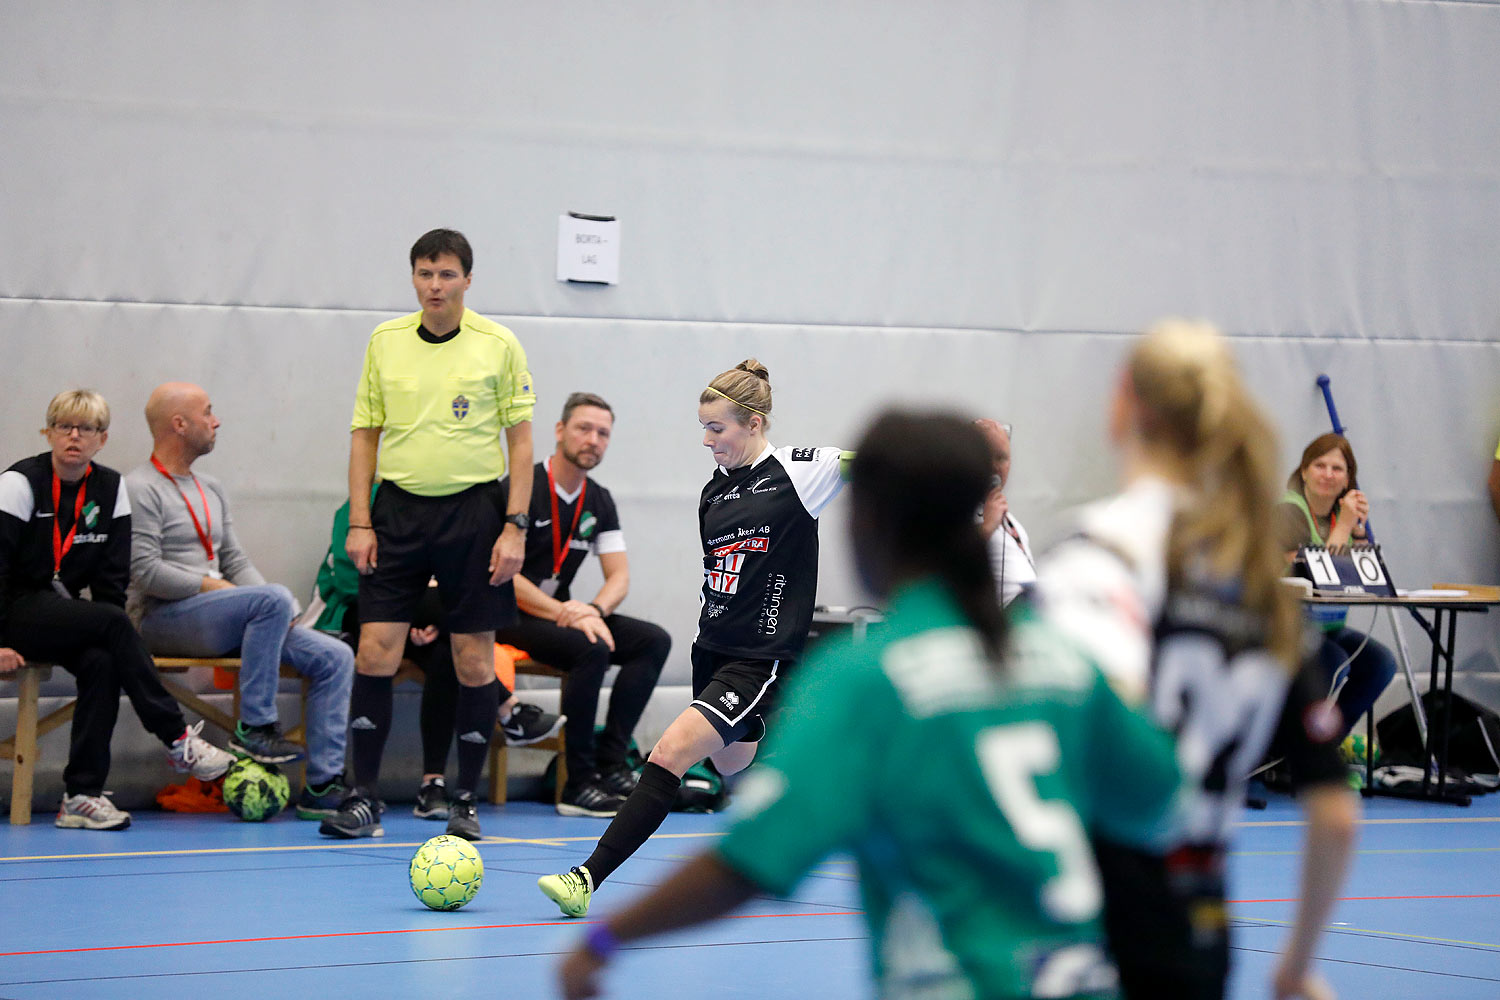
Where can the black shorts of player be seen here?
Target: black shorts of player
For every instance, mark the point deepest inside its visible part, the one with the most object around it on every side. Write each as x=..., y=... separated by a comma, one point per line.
x=1166, y=921
x=447, y=538
x=734, y=694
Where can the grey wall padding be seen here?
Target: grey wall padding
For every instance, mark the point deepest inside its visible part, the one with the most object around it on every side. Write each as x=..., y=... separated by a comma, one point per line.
x=968, y=204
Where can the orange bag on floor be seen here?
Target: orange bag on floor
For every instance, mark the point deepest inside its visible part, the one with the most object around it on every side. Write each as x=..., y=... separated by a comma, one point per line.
x=193, y=796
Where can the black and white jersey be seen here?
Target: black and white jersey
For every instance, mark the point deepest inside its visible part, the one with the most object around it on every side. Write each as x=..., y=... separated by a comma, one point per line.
x=759, y=526
x=99, y=557
x=593, y=529
x=1192, y=652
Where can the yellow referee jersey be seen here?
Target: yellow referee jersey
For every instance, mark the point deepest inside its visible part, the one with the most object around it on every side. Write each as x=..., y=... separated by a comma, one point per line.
x=442, y=407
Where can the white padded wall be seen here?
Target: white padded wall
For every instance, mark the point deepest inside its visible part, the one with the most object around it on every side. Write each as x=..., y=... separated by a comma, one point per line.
x=967, y=203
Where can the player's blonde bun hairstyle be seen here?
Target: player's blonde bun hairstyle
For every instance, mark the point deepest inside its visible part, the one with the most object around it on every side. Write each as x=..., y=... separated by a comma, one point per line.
x=748, y=386
x=1193, y=407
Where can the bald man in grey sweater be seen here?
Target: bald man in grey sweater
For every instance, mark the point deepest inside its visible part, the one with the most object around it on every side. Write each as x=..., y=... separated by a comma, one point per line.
x=196, y=593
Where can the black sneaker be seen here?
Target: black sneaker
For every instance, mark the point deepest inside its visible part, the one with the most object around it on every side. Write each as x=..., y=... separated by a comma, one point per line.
x=620, y=779
x=432, y=800
x=589, y=798
x=528, y=724
x=463, y=818
x=358, y=816
x=264, y=744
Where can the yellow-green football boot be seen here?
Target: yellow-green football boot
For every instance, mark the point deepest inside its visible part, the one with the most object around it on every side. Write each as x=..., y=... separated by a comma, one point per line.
x=570, y=891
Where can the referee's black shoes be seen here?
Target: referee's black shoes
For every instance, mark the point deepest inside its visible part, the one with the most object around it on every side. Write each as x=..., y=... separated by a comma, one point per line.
x=463, y=817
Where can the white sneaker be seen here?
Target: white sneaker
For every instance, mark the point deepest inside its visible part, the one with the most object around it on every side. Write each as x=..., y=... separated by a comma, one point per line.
x=90, y=812
x=191, y=752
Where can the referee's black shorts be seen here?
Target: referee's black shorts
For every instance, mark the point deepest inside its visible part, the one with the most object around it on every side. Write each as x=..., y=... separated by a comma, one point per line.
x=448, y=538
x=736, y=695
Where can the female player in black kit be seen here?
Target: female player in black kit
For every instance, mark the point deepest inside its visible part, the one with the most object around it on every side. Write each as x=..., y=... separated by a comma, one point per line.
x=1173, y=586
x=758, y=519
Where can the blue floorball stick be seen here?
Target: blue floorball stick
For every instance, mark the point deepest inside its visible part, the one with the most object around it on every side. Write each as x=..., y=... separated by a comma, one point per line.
x=1326, y=385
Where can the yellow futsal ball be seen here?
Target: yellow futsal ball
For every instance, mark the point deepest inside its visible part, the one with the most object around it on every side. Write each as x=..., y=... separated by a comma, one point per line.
x=446, y=872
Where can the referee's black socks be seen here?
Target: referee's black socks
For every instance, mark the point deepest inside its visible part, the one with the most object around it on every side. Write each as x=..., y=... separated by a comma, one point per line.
x=369, y=725
x=640, y=817
x=474, y=723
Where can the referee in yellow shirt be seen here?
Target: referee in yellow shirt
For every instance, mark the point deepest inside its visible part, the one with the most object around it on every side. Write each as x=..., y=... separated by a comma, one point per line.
x=438, y=388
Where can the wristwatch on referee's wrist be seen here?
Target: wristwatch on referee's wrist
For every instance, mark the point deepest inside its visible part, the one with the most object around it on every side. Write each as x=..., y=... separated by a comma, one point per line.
x=522, y=521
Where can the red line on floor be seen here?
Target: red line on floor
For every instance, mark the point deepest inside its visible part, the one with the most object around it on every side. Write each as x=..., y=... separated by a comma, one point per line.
x=580, y=923
x=349, y=934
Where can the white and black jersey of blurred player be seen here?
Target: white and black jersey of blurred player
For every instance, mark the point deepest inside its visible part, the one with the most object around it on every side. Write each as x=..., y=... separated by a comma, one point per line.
x=1198, y=658
x=759, y=526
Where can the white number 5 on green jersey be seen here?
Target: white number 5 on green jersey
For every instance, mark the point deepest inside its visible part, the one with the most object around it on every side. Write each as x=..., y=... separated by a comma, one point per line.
x=1012, y=758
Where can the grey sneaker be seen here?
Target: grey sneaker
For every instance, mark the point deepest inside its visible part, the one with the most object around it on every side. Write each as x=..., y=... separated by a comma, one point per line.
x=264, y=744
x=90, y=812
x=192, y=753
x=528, y=724
x=358, y=816
x=463, y=818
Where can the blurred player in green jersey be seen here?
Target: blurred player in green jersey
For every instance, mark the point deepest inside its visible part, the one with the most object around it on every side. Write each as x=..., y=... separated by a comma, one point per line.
x=972, y=757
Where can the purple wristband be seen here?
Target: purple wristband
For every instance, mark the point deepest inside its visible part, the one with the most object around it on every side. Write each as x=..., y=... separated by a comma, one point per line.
x=601, y=941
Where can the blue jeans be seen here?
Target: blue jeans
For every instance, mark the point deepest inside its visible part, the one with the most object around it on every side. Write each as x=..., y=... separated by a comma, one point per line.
x=257, y=621
x=1369, y=672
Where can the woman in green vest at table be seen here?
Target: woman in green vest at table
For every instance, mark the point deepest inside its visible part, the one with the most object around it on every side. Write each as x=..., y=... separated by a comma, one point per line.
x=1323, y=505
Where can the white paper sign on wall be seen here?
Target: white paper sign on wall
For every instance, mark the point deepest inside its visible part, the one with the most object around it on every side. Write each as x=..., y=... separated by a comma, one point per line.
x=588, y=248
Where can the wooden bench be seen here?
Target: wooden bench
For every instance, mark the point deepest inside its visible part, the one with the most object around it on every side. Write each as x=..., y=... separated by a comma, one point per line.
x=22, y=747
x=190, y=699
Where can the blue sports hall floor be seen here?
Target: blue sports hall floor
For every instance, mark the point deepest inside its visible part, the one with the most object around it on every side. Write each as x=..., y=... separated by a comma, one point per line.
x=205, y=906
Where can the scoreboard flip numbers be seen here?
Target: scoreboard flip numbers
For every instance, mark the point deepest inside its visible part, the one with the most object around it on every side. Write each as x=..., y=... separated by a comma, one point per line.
x=1358, y=569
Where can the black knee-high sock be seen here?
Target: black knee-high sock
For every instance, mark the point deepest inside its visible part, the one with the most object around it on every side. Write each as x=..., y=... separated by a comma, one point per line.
x=439, y=707
x=369, y=725
x=640, y=817
x=474, y=721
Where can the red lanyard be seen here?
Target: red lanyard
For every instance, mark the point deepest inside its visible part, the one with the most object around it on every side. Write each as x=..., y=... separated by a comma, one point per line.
x=559, y=550
x=1011, y=530
x=205, y=538
x=61, y=545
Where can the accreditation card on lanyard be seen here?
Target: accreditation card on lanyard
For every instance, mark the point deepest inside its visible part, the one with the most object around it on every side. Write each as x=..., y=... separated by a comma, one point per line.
x=560, y=542
x=205, y=531
x=61, y=545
